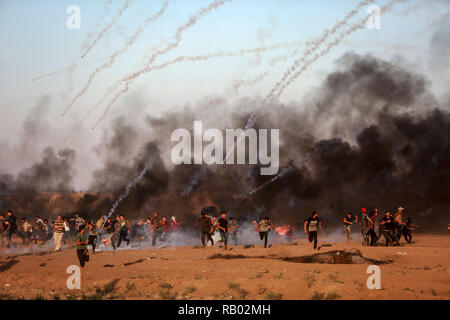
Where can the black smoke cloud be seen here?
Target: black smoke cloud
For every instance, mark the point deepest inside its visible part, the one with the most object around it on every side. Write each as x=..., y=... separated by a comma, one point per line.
x=371, y=135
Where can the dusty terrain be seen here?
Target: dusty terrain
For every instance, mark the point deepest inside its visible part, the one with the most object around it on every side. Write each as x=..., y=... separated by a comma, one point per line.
x=420, y=270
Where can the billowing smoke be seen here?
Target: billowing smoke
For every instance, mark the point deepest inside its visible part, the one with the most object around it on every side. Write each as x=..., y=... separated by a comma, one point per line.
x=370, y=135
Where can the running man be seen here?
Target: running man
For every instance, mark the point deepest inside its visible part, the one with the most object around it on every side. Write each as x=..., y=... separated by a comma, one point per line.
x=348, y=221
x=124, y=230
x=264, y=227
x=224, y=229
x=27, y=232
x=12, y=226
x=4, y=226
x=399, y=224
x=110, y=229
x=92, y=232
x=157, y=228
x=408, y=229
x=312, y=225
x=58, y=232
x=387, y=223
x=82, y=241
x=234, y=227
x=206, y=229
x=365, y=227
x=372, y=234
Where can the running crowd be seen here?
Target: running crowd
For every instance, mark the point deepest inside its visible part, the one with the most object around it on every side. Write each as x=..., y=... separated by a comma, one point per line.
x=112, y=232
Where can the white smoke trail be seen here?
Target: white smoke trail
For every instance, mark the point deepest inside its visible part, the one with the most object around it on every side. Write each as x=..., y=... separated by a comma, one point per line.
x=117, y=53
x=177, y=39
x=276, y=177
x=194, y=181
x=292, y=165
x=316, y=43
x=48, y=74
x=113, y=21
x=127, y=191
x=281, y=86
x=249, y=82
x=359, y=25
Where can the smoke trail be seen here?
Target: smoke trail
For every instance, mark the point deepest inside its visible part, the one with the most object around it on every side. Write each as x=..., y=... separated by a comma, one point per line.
x=316, y=43
x=219, y=54
x=320, y=148
x=48, y=74
x=114, y=20
x=250, y=82
x=179, y=59
x=194, y=181
x=178, y=37
x=359, y=25
x=117, y=53
x=252, y=119
x=127, y=191
x=92, y=110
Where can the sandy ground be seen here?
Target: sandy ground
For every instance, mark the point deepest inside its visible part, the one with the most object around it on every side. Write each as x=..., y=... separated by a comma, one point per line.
x=419, y=271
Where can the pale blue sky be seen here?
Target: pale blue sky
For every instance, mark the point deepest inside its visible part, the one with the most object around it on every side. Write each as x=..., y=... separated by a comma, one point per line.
x=36, y=41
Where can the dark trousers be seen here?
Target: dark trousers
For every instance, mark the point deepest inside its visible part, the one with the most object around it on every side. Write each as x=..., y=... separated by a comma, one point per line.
x=123, y=235
x=27, y=236
x=407, y=234
x=156, y=234
x=234, y=237
x=82, y=256
x=206, y=234
x=373, y=237
x=264, y=235
x=313, y=236
x=390, y=237
x=224, y=237
x=398, y=232
x=92, y=240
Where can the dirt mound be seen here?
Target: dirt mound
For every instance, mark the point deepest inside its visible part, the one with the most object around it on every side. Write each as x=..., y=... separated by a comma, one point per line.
x=352, y=256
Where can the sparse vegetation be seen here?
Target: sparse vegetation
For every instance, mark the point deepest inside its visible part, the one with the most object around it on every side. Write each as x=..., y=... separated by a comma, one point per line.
x=278, y=276
x=273, y=296
x=318, y=296
x=333, y=277
x=188, y=291
x=310, y=279
x=235, y=287
x=167, y=294
x=166, y=285
x=332, y=296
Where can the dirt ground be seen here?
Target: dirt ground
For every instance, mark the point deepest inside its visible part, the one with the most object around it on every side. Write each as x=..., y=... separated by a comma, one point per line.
x=420, y=270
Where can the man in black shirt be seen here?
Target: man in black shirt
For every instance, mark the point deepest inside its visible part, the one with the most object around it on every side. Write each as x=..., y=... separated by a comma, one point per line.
x=206, y=228
x=388, y=225
x=223, y=227
x=12, y=226
x=348, y=221
x=312, y=225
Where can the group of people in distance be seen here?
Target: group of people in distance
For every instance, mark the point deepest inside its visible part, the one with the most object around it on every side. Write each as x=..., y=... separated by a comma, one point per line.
x=392, y=227
x=115, y=231
x=210, y=224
